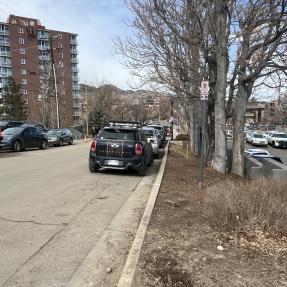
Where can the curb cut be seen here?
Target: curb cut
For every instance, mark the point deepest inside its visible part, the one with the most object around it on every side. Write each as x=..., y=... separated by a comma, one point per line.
x=128, y=273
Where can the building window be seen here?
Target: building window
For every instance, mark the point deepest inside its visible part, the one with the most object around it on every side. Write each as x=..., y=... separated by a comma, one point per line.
x=60, y=36
x=24, y=91
x=32, y=23
x=21, y=40
x=24, y=81
x=22, y=61
x=60, y=45
x=61, y=64
x=21, y=30
x=25, y=101
x=22, y=51
x=23, y=71
x=61, y=55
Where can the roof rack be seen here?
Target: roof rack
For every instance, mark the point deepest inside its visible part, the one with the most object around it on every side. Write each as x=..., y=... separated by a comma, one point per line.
x=124, y=124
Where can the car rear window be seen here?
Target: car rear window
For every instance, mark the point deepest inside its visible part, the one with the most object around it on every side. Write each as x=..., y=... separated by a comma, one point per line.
x=117, y=134
x=148, y=132
x=13, y=131
x=258, y=136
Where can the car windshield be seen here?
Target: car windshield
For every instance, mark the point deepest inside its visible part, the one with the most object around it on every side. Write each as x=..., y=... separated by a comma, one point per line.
x=117, y=134
x=257, y=136
x=12, y=131
x=279, y=135
x=53, y=133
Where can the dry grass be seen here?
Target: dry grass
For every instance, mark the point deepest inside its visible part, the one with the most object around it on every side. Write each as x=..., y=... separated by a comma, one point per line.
x=247, y=205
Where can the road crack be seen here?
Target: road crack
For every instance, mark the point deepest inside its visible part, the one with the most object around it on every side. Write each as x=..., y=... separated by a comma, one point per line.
x=33, y=222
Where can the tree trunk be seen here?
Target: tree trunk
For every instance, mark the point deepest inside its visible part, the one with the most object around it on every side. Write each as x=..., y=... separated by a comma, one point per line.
x=238, y=129
x=219, y=158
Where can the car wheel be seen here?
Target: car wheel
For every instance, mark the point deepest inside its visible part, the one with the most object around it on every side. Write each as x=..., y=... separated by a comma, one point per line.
x=43, y=144
x=156, y=155
x=141, y=170
x=60, y=142
x=151, y=160
x=273, y=144
x=71, y=141
x=17, y=146
x=93, y=168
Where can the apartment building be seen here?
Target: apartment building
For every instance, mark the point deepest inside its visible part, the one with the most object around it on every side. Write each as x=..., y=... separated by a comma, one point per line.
x=45, y=63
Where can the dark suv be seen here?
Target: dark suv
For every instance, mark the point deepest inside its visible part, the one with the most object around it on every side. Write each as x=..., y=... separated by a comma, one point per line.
x=120, y=147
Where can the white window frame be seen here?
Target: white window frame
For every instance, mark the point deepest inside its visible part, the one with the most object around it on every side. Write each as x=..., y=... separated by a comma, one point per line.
x=24, y=91
x=21, y=40
x=60, y=45
x=23, y=72
x=25, y=101
x=21, y=30
x=22, y=51
x=22, y=61
x=24, y=81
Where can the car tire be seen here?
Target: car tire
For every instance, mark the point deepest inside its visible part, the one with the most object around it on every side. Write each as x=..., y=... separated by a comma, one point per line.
x=60, y=142
x=151, y=160
x=17, y=146
x=71, y=141
x=273, y=144
x=43, y=144
x=156, y=155
x=93, y=168
x=141, y=170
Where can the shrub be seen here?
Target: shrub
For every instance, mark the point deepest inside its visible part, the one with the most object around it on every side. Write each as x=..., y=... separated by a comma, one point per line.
x=235, y=205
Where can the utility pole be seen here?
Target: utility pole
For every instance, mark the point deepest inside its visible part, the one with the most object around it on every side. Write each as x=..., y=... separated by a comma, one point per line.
x=55, y=81
x=87, y=113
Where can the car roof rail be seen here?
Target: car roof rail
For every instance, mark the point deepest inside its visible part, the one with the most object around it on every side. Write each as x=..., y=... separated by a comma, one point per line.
x=124, y=123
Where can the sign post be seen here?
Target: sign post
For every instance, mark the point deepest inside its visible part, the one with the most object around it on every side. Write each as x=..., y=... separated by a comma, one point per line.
x=204, y=90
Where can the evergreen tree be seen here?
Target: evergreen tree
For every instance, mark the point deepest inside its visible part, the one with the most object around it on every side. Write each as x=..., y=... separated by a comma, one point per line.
x=12, y=105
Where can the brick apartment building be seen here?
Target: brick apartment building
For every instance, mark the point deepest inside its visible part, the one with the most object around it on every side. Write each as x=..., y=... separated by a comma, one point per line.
x=27, y=52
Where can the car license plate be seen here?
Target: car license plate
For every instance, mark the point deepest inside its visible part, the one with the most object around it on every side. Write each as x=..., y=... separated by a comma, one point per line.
x=113, y=162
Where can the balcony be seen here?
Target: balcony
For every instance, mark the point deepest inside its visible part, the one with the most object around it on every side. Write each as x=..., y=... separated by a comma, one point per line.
x=42, y=36
x=5, y=64
x=74, y=60
x=5, y=53
x=73, y=41
x=4, y=42
x=75, y=87
x=74, y=51
x=44, y=58
x=74, y=69
x=43, y=48
x=5, y=33
x=75, y=78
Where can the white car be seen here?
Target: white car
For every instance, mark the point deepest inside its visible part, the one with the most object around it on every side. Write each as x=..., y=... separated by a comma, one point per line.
x=256, y=138
x=153, y=138
x=277, y=139
x=257, y=152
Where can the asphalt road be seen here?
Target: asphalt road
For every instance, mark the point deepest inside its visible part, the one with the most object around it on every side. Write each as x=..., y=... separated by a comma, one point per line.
x=54, y=214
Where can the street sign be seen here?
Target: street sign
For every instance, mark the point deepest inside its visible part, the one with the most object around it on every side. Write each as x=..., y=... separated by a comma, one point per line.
x=204, y=90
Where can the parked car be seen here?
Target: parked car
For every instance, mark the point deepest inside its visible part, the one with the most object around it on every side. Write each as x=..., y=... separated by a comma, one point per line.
x=9, y=124
x=260, y=154
x=152, y=136
x=120, y=147
x=276, y=139
x=42, y=128
x=21, y=138
x=256, y=138
x=58, y=137
x=161, y=132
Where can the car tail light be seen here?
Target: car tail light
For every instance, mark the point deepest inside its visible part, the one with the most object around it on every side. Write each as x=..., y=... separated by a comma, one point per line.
x=93, y=146
x=138, y=149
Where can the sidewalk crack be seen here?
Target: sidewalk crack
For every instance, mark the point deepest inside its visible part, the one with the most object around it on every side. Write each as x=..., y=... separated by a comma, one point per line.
x=32, y=221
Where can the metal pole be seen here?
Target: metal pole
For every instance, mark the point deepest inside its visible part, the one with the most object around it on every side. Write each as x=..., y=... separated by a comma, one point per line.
x=172, y=120
x=202, y=143
x=87, y=114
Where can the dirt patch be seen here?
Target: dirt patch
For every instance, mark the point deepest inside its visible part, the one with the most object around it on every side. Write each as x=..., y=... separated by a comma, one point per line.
x=182, y=249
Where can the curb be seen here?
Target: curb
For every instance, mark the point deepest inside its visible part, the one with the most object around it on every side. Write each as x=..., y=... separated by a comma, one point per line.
x=128, y=273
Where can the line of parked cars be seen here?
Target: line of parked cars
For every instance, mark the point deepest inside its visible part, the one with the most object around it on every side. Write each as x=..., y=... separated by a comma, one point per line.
x=126, y=145
x=274, y=138
x=18, y=136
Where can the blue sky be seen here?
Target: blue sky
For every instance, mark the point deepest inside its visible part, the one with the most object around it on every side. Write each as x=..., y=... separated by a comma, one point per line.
x=96, y=22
